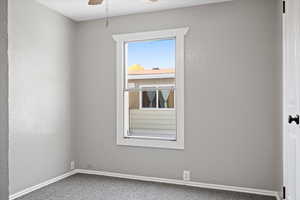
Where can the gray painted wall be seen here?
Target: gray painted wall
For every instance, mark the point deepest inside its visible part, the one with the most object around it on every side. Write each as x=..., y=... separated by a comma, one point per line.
x=233, y=59
x=3, y=102
x=232, y=96
x=279, y=112
x=40, y=48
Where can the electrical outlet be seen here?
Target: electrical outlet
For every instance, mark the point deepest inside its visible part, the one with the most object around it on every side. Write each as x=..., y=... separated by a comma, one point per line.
x=72, y=165
x=186, y=175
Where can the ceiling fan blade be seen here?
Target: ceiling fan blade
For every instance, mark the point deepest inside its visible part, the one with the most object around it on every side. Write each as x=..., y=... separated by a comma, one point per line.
x=95, y=2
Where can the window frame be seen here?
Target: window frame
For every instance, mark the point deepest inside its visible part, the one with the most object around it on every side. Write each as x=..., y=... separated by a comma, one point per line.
x=157, y=96
x=121, y=40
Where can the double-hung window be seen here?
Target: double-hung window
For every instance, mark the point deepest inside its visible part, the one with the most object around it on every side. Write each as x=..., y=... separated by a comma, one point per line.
x=150, y=88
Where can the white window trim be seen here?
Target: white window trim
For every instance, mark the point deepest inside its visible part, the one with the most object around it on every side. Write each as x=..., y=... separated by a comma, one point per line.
x=121, y=40
x=157, y=106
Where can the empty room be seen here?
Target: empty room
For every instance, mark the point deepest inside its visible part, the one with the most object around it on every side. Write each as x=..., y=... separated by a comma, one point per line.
x=149, y=99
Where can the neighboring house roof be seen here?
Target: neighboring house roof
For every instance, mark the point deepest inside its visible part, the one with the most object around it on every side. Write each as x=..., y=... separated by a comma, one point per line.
x=135, y=67
x=138, y=72
x=151, y=71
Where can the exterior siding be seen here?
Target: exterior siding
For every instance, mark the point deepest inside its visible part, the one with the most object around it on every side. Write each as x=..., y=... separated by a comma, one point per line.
x=153, y=119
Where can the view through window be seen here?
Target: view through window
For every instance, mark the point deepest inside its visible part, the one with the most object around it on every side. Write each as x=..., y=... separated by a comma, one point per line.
x=150, y=94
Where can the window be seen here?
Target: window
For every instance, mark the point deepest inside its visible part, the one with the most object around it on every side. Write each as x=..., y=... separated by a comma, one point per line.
x=157, y=97
x=150, y=84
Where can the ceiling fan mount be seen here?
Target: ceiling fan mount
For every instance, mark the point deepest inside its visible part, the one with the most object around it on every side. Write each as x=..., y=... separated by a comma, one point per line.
x=99, y=2
x=95, y=2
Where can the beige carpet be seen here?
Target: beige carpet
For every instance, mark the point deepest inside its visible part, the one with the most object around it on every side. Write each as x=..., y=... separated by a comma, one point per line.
x=91, y=187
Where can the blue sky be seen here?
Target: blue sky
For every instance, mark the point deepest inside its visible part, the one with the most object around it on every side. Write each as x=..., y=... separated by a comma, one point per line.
x=149, y=54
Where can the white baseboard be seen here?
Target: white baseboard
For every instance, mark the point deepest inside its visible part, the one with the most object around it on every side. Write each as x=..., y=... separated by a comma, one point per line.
x=149, y=179
x=181, y=182
x=41, y=185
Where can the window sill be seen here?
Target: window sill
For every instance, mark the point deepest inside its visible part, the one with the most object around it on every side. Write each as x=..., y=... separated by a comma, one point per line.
x=166, y=136
x=151, y=142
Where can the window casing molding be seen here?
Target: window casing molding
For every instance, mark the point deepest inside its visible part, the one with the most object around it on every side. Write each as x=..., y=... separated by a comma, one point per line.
x=121, y=40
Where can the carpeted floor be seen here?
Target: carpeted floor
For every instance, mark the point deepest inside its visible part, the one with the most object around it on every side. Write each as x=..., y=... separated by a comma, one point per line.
x=90, y=187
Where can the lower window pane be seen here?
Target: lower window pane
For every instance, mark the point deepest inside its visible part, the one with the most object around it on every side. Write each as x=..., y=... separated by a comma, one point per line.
x=150, y=123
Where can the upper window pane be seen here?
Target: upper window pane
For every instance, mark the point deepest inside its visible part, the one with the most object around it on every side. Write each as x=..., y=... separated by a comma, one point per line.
x=149, y=55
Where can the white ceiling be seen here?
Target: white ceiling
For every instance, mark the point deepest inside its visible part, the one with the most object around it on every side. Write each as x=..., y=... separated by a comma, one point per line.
x=79, y=10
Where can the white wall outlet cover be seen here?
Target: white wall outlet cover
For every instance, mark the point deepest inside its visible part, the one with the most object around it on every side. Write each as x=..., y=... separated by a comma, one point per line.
x=186, y=175
x=72, y=165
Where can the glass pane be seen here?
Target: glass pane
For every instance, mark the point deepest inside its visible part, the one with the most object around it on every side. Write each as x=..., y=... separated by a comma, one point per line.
x=166, y=98
x=150, y=65
x=149, y=98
